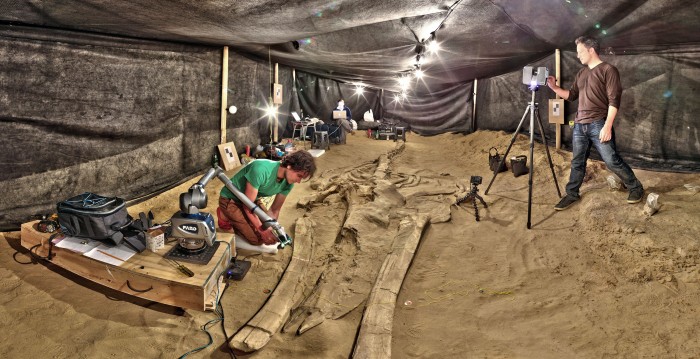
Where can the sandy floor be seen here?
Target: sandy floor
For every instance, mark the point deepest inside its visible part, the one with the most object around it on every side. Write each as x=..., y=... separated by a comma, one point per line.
x=599, y=280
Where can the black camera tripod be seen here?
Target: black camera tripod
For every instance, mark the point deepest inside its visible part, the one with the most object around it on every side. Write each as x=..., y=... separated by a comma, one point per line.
x=532, y=109
x=472, y=196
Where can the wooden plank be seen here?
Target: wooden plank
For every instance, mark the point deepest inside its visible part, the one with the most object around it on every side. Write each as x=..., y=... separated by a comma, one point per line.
x=224, y=94
x=474, y=108
x=557, y=69
x=374, y=338
x=146, y=271
x=276, y=121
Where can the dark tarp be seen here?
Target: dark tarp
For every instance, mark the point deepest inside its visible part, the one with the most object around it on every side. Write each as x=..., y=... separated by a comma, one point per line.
x=448, y=110
x=372, y=41
x=318, y=97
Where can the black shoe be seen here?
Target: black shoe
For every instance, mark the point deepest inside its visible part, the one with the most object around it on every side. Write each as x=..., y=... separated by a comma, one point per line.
x=566, y=202
x=635, y=195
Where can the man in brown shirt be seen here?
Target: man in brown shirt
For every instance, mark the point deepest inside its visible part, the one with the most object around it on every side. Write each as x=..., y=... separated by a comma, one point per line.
x=598, y=90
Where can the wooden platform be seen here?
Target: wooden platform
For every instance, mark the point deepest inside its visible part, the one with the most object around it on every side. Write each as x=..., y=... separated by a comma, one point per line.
x=145, y=275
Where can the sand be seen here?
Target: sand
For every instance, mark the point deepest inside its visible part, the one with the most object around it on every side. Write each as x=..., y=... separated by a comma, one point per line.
x=599, y=280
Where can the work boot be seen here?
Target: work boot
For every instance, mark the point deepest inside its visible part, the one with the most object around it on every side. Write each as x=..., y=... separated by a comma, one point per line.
x=566, y=202
x=635, y=195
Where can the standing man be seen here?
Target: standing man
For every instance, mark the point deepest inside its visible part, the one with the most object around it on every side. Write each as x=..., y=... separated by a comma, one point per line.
x=598, y=90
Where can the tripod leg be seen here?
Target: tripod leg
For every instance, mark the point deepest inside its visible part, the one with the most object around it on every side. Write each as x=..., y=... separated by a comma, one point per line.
x=505, y=155
x=533, y=106
x=482, y=201
x=546, y=147
x=476, y=209
x=529, y=180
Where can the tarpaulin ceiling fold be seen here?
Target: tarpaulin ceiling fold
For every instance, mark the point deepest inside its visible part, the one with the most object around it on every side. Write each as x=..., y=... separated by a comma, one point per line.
x=373, y=41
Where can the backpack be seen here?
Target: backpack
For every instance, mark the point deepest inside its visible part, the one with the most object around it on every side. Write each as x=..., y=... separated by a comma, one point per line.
x=90, y=215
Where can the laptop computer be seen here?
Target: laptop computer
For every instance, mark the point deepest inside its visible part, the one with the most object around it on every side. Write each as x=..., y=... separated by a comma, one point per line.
x=296, y=116
x=337, y=115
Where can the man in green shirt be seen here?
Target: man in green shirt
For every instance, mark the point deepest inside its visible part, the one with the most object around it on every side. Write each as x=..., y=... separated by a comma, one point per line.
x=262, y=178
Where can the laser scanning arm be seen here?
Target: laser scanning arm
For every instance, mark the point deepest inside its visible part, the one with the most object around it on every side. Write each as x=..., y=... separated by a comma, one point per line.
x=194, y=197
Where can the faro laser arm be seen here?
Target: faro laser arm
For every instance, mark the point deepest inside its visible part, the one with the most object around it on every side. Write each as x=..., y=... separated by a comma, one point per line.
x=267, y=221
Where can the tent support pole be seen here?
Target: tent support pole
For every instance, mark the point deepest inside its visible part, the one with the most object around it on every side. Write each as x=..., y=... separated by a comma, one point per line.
x=224, y=93
x=474, y=108
x=557, y=66
x=276, y=121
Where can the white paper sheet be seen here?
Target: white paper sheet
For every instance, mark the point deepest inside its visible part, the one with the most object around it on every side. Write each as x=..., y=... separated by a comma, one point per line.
x=111, y=255
x=80, y=245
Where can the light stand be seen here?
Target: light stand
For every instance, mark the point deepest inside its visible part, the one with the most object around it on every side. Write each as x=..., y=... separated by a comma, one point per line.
x=532, y=109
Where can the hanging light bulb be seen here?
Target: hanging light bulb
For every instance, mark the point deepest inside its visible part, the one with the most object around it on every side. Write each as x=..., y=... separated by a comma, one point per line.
x=359, y=90
x=433, y=47
x=270, y=111
x=418, y=73
x=404, y=82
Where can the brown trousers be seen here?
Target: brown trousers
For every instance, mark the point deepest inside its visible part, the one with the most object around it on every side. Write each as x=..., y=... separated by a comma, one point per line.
x=234, y=214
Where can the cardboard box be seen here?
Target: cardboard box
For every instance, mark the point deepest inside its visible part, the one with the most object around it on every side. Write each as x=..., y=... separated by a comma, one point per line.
x=556, y=111
x=277, y=94
x=155, y=239
x=228, y=156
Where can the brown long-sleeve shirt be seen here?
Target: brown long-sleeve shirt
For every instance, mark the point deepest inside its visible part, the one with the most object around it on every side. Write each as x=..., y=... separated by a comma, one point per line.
x=596, y=89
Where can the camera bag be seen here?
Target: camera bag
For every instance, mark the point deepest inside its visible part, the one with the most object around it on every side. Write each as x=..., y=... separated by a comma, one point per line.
x=518, y=164
x=95, y=217
x=495, y=160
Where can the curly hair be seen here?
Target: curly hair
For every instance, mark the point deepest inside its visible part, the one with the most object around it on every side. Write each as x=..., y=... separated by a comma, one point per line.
x=301, y=161
x=589, y=42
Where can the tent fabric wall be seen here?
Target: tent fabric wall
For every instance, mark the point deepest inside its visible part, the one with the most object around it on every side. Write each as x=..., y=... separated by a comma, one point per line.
x=318, y=97
x=110, y=116
x=658, y=119
x=117, y=116
x=447, y=110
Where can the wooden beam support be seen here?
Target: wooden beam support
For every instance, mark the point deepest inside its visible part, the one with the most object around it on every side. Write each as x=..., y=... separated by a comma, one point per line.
x=557, y=67
x=224, y=94
x=474, y=108
x=275, y=121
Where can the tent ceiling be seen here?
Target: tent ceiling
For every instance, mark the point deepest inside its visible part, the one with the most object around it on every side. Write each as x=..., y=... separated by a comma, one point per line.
x=373, y=41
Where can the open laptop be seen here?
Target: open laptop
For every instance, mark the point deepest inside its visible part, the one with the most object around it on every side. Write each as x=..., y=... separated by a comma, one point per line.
x=296, y=116
x=337, y=115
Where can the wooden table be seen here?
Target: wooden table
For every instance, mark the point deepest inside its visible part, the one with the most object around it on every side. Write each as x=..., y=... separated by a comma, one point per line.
x=145, y=275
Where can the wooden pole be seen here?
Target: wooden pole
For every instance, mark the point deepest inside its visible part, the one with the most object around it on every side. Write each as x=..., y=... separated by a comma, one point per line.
x=224, y=94
x=474, y=108
x=275, y=121
x=557, y=66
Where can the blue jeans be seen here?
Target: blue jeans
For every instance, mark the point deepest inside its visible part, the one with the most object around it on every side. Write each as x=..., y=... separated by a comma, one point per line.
x=586, y=135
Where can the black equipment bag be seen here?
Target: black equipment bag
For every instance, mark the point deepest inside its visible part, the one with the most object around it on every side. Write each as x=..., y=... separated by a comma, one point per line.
x=518, y=164
x=494, y=160
x=93, y=216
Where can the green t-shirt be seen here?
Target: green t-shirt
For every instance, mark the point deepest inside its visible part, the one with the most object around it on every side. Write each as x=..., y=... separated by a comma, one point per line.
x=262, y=174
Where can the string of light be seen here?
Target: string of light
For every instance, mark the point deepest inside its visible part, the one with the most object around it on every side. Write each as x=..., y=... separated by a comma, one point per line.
x=425, y=47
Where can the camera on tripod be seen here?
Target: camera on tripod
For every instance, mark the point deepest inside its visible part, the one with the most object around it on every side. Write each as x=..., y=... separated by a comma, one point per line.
x=535, y=76
x=475, y=180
